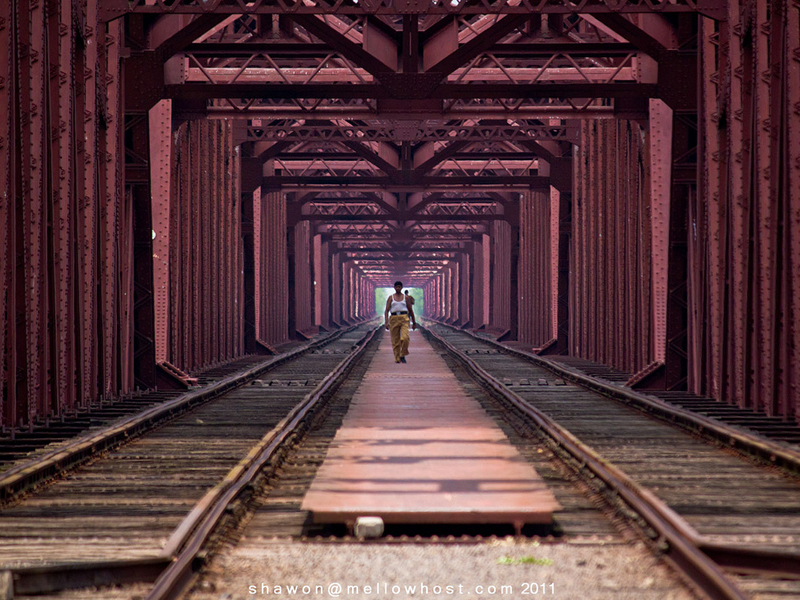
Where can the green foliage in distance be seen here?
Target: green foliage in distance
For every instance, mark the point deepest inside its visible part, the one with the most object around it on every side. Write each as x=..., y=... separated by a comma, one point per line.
x=381, y=294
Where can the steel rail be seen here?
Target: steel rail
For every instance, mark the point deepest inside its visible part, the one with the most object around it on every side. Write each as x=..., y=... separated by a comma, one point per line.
x=740, y=441
x=17, y=480
x=749, y=559
x=192, y=535
x=41, y=579
x=670, y=530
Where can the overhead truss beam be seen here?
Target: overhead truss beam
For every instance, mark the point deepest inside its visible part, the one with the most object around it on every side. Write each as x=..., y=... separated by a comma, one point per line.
x=113, y=9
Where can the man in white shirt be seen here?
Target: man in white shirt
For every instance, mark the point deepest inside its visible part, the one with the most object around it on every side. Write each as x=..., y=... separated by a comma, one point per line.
x=396, y=317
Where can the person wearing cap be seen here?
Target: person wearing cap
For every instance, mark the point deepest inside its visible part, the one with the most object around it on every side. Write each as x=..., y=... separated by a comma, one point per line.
x=396, y=318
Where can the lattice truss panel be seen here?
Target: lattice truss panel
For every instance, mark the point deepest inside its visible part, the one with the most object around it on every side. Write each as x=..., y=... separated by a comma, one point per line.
x=378, y=125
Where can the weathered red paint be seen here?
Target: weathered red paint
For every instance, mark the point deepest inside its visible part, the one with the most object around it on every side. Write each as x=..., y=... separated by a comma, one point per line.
x=65, y=341
x=744, y=251
x=197, y=249
x=500, y=277
x=636, y=259
x=611, y=245
x=536, y=269
x=271, y=269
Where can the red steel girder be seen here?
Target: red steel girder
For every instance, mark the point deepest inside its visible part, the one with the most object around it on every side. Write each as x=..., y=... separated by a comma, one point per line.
x=113, y=9
x=411, y=89
x=407, y=181
x=410, y=130
x=516, y=50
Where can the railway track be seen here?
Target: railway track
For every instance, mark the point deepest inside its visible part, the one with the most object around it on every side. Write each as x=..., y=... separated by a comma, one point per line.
x=124, y=514
x=600, y=501
x=23, y=446
x=731, y=501
x=627, y=472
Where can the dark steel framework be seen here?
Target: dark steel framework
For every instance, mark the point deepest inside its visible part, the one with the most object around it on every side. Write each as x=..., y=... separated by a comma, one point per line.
x=185, y=182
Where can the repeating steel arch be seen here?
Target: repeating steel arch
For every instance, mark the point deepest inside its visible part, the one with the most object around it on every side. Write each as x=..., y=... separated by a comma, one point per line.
x=187, y=182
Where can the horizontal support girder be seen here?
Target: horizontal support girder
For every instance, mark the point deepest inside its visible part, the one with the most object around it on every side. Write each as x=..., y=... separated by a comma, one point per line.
x=113, y=9
x=210, y=91
x=276, y=182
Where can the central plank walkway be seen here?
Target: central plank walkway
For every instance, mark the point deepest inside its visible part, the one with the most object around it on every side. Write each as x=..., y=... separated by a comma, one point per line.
x=414, y=448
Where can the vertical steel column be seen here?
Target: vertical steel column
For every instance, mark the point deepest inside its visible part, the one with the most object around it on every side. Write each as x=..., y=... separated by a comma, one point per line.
x=447, y=300
x=736, y=369
x=788, y=402
x=60, y=305
x=237, y=270
x=161, y=165
x=345, y=291
x=272, y=271
x=486, y=291
x=88, y=209
x=660, y=137
x=317, y=286
x=109, y=187
x=500, y=317
x=455, y=292
x=555, y=211
x=335, y=279
x=250, y=174
x=536, y=270
x=465, y=289
x=707, y=218
x=7, y=202
x=259, y=258
x=323, y=285
x=563, y=241
x=476, y=315
x=452, y=290
x=32, y=215
x=291, y=280
x=441, y=307
x=199, y=250
x=303, y=298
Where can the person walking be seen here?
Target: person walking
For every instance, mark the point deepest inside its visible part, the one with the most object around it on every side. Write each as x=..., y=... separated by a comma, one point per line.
x=396, y=317
x=409, y=298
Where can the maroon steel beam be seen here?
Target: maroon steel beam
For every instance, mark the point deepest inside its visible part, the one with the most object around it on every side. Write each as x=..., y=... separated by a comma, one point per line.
x=210, y=91
x=347, y=48
x=182, y=37
x=113, y=9
x=449, y=151
x=478, y=45
x=360, y=150
x=406, y=179
x=492, y=131
x=634, y=34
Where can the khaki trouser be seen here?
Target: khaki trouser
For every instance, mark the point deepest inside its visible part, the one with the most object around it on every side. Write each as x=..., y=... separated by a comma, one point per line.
x=398, y=326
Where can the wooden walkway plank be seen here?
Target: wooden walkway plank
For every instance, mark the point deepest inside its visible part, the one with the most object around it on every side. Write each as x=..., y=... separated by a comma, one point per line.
x=413, y=448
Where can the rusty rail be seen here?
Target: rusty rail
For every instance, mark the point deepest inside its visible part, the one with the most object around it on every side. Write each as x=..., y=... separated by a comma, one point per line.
x=671, y=532
x=740, y=441
x=193, y=533
x=740, y=558
x=172, y=568
x=19, y=479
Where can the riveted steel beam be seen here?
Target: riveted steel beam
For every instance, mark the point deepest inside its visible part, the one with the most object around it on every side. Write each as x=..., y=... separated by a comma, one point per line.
x=113, y=9
x=210, y=91
x=416, y=131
